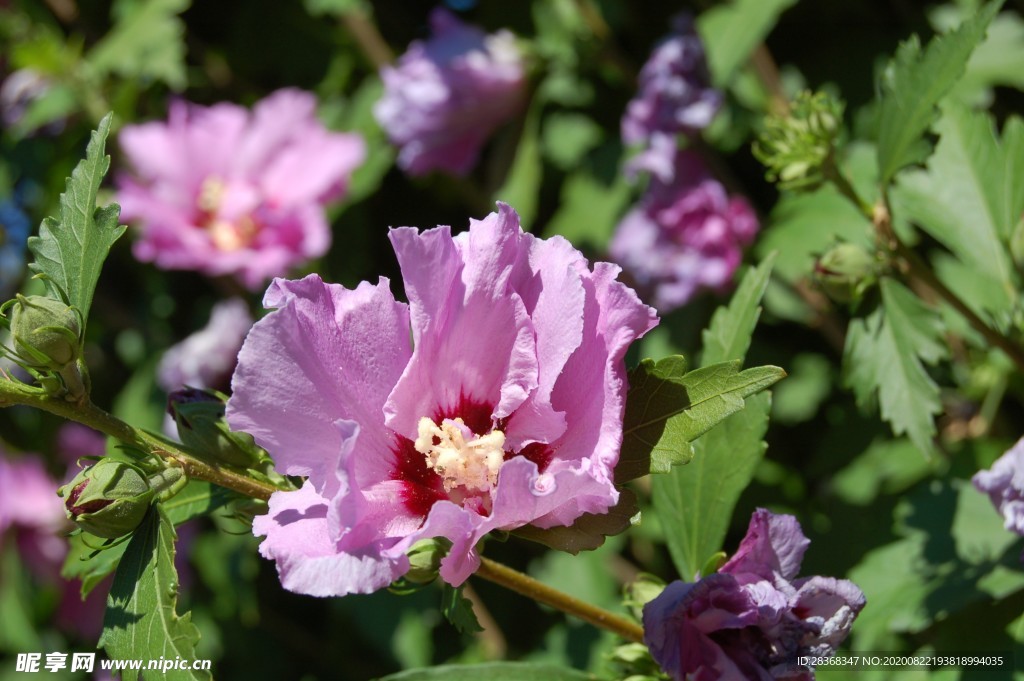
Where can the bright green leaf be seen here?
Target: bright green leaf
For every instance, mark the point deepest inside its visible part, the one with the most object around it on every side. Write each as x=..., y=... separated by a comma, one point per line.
x=521, y=187
x=567, y=137
x=458, y=609
x=667, y=408
x=141, y=621
x=728, y=335
x=588, y=210
x=493, y=671
x=70, y=250
x=913, y=86
x=731, y=32
x=696, y=501
x=148, y=41
x=884, y=354
x=962, y=199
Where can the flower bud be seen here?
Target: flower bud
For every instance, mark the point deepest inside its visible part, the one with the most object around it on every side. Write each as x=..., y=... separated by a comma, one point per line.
x=845, y=272
x=46, y=331
x=108, y=499
x=796, y=145
x=199, y=415
x=425, y=560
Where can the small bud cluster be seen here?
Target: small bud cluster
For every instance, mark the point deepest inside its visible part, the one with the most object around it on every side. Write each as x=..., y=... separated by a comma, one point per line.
x=797, y=145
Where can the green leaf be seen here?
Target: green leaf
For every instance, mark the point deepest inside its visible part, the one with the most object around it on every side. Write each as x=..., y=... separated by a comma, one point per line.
x=967, y=198
x=696, y=501
x=70, y=251
x=521, y=187
x=667, y=408
x=141, y=621
x=728, y=335
x=589, y=209
x=731, y=32
x=493, y=671
x=567, y=137
x=148, y=41
x=335, y=7
x=884, y=354
x=803, y=226
x=458, y=609
x=913, y=87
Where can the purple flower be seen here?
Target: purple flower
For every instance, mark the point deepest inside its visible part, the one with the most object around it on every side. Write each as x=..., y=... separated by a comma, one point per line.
x=1004, y=485
x=673, y=93
x=448, y=94
x=207, y=357
x=753, y=618
x=494, y=399
x=225, y=191
x=685, y=235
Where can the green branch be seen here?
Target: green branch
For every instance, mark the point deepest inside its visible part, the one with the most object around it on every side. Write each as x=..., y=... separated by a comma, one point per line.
x=87, y=413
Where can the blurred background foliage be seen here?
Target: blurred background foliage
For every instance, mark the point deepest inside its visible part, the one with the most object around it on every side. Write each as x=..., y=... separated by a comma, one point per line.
x=939, y=571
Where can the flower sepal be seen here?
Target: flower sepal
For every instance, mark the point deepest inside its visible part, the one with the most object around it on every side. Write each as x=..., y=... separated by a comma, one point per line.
x=199, y=416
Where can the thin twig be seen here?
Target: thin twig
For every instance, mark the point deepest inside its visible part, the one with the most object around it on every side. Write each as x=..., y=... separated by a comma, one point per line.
x=542, y=593
x=89, y=414
x=368, y=38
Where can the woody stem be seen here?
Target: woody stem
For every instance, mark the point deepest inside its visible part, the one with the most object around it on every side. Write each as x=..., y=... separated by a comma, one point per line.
x=542, y=593
x=87, y=413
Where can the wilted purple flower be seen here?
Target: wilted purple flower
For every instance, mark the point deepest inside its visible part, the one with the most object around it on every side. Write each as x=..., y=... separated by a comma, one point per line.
x=449, y=93
x=207, y=357
x=753, y=618
x=1004, y=485
x=225, y=191
x=684, y=236
x=673, y=93
x=502, y=408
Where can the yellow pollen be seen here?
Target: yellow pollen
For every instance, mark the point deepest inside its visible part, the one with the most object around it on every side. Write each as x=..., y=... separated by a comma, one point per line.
x=231, y=236
x=470, y=461
x=210, y=194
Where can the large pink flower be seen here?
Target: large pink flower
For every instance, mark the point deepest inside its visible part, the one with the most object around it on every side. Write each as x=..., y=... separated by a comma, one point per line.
x=503, y=406
x=225, y=191
x=448, y=94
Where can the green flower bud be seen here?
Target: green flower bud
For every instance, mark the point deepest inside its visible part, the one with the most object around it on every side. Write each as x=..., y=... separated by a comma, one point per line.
x=846, y=272
x=47, y=332
x=108, y=499
x=796, y=146
x=639, y=593
x=425, y=560
x=199, y=415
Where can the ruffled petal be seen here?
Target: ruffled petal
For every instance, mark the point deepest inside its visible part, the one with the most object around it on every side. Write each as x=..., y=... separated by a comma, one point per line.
x=299, y=539
x=773, y=547
x=327, y=352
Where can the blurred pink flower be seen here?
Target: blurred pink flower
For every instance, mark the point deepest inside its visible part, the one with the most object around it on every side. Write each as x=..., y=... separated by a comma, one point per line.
x=32, y=513
x=449, y=93
x=685, y=235
x=225, y=191
x=502, y=408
